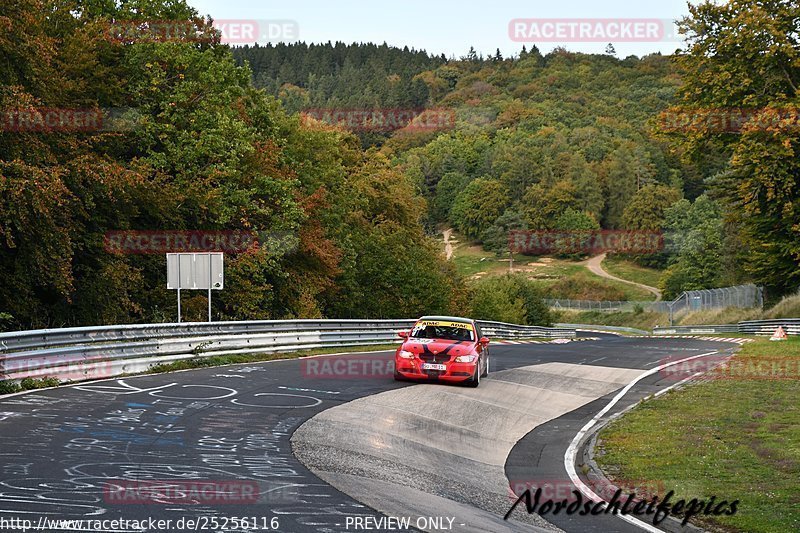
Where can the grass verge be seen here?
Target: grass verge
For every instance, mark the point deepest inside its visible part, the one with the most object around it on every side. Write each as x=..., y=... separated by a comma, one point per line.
x=10, y=387
x=473, y=260
x=557, y=277
x=631, y=319
x=584, y=285
x=788, y=307
x=632, y=272
x=727, y=315
x=729, y=438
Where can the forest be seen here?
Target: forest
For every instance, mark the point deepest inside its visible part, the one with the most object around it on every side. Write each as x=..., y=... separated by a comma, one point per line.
x=217, y=141
x=207, y=152
x=577, y=142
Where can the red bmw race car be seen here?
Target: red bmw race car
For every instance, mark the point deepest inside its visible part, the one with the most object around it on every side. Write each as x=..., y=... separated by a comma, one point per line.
x=443, y=348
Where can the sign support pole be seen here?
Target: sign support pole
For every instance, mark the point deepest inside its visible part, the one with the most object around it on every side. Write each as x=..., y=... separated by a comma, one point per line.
x=209, y=287
x=179, y=289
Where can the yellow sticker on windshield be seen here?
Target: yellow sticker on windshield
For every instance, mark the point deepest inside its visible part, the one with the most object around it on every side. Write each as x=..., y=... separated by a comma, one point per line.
x=442, y=324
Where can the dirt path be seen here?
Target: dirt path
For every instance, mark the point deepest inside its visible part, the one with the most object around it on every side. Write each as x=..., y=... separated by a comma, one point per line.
x=595, y=266
x=448, y=246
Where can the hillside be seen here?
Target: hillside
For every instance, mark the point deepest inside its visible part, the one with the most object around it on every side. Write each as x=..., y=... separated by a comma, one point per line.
x=564, y=141
x=341, y=162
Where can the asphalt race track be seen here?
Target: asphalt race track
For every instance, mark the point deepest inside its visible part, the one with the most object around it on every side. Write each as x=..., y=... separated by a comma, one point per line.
x=319, y=445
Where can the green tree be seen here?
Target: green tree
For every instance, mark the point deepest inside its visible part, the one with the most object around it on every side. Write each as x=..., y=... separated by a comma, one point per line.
x=646, y=212
x=478, y=205
x=574, y=220
x=647, y=207
x=694, y=234
x=508, y=299
x=744, y=54
x=620, y=174
x=542, y=205
x=495, y=238
x=447, y=189
x=575, y=223
x=207, y=151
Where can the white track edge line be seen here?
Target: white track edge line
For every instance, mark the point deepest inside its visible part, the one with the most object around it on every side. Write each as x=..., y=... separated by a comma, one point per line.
x=572, y=450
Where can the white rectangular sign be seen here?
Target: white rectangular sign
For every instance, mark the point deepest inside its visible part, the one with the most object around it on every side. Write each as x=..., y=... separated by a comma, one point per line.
x=195, y=271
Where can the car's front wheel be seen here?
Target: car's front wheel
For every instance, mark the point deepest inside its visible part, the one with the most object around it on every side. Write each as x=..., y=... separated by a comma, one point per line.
x=475, y=380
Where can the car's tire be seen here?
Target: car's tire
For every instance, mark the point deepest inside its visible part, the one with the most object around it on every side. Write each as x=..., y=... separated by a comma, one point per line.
x=475, y=380
x=486, y=368
x=398, y=376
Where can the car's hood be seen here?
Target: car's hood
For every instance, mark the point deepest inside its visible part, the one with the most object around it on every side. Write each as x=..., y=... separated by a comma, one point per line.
x=438, y=346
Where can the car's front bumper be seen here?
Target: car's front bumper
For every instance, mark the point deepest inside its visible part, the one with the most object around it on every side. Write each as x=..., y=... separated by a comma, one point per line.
x=455, y=372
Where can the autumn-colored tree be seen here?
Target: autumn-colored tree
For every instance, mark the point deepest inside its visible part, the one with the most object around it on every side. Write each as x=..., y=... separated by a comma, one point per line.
x=743, y=59
x=201, y=149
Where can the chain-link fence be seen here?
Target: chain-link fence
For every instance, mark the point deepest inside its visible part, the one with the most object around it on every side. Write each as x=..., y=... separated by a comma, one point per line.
x=745, y=296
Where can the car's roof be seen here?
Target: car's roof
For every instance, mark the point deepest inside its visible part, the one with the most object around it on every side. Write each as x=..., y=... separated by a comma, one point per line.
x=447, y=319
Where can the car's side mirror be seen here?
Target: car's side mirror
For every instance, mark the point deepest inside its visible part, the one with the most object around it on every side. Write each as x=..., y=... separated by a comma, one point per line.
x=484, y=341
x=403, y=334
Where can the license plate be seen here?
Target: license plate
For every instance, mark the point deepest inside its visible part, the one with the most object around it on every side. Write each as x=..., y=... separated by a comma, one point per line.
x=430, y=366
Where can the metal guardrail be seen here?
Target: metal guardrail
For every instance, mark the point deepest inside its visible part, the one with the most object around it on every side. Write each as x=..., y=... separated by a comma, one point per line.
x=767, y=327
x=751, y=327
x=603, y=328
x=513, y=331
x=104, y=351
x=696, y=330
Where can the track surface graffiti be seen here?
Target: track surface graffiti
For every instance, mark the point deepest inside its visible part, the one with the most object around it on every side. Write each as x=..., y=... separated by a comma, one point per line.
x=64, y=451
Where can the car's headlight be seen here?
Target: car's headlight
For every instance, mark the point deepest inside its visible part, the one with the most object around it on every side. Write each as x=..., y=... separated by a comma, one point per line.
x=466, y=358
x=405, y=355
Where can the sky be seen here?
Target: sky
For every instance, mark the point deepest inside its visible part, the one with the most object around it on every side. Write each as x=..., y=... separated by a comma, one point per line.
x=447, y=26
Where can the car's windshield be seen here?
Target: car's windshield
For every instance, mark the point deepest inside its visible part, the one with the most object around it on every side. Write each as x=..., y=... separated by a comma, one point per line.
x=433, y=329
